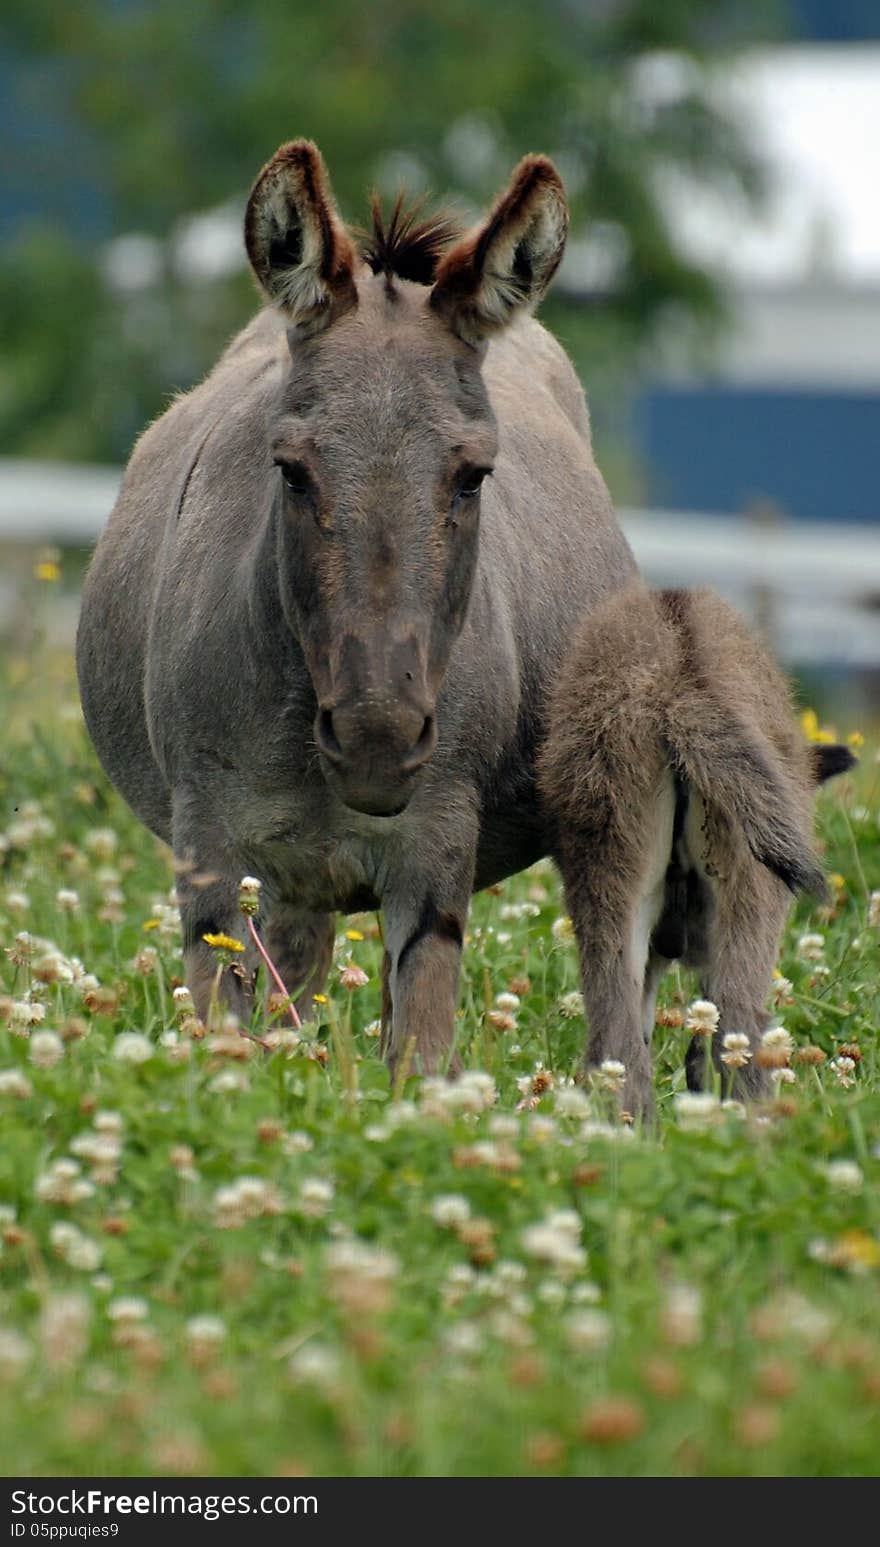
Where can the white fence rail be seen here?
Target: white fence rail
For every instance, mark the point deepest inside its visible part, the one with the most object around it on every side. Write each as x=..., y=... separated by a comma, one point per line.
x=817, y=586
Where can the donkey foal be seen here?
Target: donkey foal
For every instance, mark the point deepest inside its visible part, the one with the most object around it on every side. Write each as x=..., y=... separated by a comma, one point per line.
x=681, y=792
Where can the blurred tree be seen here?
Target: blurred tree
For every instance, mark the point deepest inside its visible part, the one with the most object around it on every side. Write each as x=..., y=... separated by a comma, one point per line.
x=172, y=108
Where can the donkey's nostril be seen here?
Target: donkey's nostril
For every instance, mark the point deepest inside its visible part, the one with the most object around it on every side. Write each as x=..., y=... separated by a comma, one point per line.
x=422, y=749
x=326, y=737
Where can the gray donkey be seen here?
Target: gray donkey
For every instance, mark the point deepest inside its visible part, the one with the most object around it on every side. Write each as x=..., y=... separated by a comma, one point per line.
x=317, y=637
x=681, y=788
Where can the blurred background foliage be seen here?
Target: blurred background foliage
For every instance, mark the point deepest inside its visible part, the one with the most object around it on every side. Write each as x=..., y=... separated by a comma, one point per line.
x=122, y=274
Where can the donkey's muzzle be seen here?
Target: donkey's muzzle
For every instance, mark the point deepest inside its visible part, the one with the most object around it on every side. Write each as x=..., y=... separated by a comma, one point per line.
x=373, y=752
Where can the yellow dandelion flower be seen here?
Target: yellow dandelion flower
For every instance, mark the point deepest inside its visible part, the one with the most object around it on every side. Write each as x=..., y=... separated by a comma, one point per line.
x=353, y=934
x=47, y=570
x=223, y=942
x=856, y=739
x=855, y=1249
x=812, y=729
x=151, y=923
x=320, y=998
x=837, y=881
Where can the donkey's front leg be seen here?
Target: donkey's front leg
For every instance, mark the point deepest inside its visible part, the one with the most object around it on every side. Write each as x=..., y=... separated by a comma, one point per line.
x=424, y=932
x=208, y=897
x=209, y=906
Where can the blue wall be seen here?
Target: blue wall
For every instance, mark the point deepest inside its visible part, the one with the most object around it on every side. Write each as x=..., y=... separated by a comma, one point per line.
x=815, y=454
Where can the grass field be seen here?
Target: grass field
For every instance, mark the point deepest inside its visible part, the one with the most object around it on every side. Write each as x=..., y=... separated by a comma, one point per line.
x=220, y=1260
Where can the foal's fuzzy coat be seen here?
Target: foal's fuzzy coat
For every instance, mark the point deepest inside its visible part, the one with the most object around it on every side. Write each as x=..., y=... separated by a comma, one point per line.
x=681, y=789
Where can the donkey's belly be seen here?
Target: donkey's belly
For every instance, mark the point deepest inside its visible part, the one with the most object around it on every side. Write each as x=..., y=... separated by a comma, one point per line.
x=509, y=843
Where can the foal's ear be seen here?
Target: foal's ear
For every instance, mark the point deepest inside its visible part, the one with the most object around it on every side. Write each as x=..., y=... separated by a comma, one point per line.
x=507, y=263
x=298, y=246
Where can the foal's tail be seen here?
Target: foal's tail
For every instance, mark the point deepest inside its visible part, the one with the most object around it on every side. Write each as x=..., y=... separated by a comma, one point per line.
x=727, y=754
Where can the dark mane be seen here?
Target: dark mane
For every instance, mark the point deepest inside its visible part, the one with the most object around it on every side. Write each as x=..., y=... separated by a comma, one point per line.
x=406, y=245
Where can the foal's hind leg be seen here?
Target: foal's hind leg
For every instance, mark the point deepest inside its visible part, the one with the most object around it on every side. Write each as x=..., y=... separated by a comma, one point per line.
x=300, y=944
x=744, y=926
x=615, y=889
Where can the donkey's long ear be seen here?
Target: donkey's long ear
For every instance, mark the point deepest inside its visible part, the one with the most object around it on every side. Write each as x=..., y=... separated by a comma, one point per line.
x=298, y=246
x=507, y=263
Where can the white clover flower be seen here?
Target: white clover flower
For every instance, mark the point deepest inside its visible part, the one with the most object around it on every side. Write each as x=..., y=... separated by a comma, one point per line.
x=737, y=1050
x=16, y=901
x=377, y=1133
x=449, y=1210
x=503, y=1125
x=844, y=1068
x=779, y=1077
x=128, y=1308
x=571, y=1005
x=315, y=1365
x=794, y=1313
x=587, y=1331
x=460, y=1280
x=681, y=1317
x=585, y=1294
x=108, y=1122
x=248, y=1197
x=102, y=842
x=702, y=1017
x=874, y=910
x=556, y=1240
x=811, y=948
x=183, y=1000
x=249, y=889
x=614, y=1133
x=67, y=900
x=551, y=1293
x=282, y=1039
x=45, y=1049
x=315, y=1196
x=562, y=929
x=464, y=1339
x=571, y=1101
x=76, y=1249
x=53, y=967
x=360, y=1275
x=778, y=1041
x=228, y=1080
x=696, y=1109
x=205, y=1330
x=13, y=1083
x=473, y=1092
x=509, y=1003
x=510, y=911
x=610, y=1075
x=15, y=1353
x=541, y=1127
x=62, y=1183
x=64, y=1324
x=783, y=989
x=132, y=1047
x=844, y=1175
x=297, y=1143
x=373, y=1029
x=24, y=1013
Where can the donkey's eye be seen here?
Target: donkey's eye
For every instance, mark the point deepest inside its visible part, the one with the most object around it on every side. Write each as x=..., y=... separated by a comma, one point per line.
x=471, y=483
x=296, y=478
